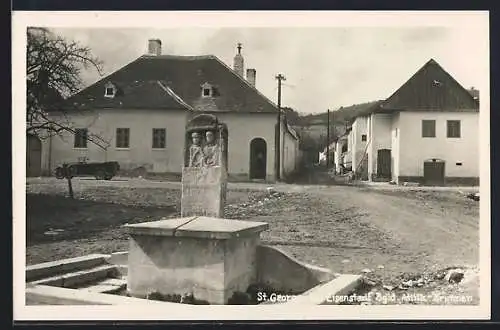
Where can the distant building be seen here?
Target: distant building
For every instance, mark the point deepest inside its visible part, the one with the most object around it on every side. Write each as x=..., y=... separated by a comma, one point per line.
x=427, y=132
x=141, y=111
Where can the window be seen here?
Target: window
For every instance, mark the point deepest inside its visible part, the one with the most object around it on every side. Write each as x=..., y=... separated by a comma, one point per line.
x=363, y=137
x=109, y=91
x=207, y=89
x=159, y=138
x=123, y=137
x=80, y=138
x=344, y=148
x=428, y=128
x=453, y=129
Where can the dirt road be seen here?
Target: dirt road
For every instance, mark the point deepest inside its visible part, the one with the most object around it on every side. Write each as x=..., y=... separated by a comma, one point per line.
x=442, y=225
x=347, y=229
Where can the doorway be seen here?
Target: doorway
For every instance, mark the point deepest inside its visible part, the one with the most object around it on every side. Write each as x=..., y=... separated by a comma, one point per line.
x=434, y=172
x=384, y=163
x=258, y=158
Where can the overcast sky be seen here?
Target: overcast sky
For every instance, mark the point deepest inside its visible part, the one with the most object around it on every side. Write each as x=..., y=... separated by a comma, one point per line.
x=324, y=67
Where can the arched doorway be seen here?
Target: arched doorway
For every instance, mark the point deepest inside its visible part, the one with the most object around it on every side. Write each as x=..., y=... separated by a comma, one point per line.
x=258, y=158
x=33, y=156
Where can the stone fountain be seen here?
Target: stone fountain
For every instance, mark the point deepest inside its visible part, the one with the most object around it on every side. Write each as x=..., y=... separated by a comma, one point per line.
x=200, y=254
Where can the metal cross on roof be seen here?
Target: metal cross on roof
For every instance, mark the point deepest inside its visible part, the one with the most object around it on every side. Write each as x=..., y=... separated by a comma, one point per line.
x=239, y=47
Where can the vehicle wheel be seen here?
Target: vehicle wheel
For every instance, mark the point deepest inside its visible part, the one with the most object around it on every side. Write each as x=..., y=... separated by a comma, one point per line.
x=59, y=173
x=100, y=175
x=108, y=176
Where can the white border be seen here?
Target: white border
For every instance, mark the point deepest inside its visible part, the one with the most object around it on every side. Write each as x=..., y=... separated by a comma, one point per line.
x=478, y=20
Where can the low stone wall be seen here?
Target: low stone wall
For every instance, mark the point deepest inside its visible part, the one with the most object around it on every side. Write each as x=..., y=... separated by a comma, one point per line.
x=50, y=295
x=284, y=273
x=275, y=268
x=309, y=285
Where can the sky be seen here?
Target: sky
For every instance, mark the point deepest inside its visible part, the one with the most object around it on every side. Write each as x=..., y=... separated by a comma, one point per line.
x=325, y=67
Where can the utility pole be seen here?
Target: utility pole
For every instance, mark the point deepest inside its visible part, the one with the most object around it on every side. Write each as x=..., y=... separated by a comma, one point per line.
x=334, y=135
x=328, y=138
x=280, y=78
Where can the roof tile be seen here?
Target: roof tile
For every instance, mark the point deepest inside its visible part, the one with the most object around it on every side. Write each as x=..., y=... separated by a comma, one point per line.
x=181, y=78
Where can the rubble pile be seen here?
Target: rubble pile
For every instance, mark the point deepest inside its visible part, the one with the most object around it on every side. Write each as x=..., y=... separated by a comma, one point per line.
x=473, y=196
x=407, y=281
x=434, y=284
x=257, y=204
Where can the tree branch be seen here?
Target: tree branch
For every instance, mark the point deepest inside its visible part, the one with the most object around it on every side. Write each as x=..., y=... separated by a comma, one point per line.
x=53, y=72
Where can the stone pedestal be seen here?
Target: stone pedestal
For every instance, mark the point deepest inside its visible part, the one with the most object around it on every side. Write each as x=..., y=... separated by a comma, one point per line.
x=208, y=257
x=203, y=191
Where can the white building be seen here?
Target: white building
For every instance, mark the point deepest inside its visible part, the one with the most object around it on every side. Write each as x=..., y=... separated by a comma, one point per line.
x=427, y=131
x=140, y=112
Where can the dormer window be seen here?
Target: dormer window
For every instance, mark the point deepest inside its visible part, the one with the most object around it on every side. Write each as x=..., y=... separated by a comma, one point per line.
x=206, y=90
x=109, y=90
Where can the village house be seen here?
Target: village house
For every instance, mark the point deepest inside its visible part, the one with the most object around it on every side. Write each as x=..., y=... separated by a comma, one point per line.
x=427, y=132
x=139, y=114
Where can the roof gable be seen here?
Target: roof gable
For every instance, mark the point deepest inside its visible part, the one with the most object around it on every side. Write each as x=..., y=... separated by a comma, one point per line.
x=176, y=82
x=431, y=88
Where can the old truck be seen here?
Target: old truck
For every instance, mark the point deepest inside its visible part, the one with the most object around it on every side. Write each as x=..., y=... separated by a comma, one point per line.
x=99, y=170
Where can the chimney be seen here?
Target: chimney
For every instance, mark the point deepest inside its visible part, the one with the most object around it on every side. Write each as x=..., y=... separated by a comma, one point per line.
x=154, y=47
x=239, y=63
x=251, y=73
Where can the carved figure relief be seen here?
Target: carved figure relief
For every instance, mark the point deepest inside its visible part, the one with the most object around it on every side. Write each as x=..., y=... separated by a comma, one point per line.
x=196, y=157
x=210, y=152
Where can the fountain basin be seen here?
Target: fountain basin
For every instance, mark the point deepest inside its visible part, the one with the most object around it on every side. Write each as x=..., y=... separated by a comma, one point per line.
x=47, y=283
x=211, y=258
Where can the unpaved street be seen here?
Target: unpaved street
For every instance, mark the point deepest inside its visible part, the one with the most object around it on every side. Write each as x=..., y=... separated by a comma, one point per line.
x=347, y=229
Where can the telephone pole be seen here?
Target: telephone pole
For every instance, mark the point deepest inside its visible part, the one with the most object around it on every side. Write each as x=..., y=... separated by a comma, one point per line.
x=280, y=78
x=334, y=136
x=328, y=138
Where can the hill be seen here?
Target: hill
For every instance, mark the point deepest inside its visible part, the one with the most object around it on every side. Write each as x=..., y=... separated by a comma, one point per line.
x=343, y=115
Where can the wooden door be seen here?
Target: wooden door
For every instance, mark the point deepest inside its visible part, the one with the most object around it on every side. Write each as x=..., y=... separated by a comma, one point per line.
x=258, y=158
x=434, y=172
x=384, y=163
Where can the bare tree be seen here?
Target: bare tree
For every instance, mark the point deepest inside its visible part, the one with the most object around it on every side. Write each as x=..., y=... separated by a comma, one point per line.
x=53, y=72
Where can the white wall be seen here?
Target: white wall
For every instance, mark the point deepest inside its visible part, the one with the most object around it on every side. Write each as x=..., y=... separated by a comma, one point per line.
x=395, y=137
x=359, y=128
x=140, y=153
x=414, y=149
x=290, y=153
x=242, y=128
x=380, y=133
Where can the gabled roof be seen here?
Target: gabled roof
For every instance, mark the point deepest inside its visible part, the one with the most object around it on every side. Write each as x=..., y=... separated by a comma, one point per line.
x=432, y=89
x=174, y=82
